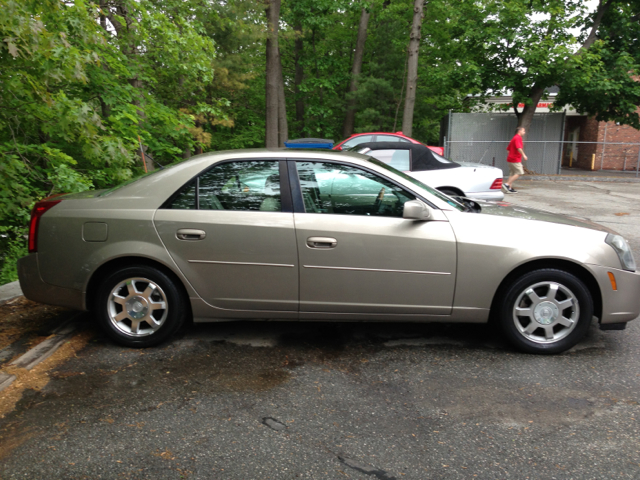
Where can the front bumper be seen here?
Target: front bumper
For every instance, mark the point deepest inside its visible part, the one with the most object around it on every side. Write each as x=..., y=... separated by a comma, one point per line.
x=623, y=304
x=34, y=288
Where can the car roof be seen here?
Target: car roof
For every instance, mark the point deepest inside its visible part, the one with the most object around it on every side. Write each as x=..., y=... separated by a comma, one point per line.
x=400, y=134
x=151, y=191
x=179, y=174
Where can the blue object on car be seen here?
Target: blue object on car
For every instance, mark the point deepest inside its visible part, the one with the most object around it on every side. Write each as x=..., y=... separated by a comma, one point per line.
x=309, y=143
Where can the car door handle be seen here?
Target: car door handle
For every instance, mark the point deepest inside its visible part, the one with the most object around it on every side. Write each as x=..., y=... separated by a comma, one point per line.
x=190, y=234
x=321, y=242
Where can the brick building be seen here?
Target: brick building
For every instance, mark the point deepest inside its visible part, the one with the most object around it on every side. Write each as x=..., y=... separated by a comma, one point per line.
x=612, y=151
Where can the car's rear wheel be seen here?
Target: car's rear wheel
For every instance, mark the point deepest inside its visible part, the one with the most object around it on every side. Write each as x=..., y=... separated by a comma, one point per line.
x=546, y=311
x=140, y=306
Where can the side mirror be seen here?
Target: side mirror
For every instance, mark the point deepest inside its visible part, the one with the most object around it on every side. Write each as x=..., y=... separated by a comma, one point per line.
x=416, y=210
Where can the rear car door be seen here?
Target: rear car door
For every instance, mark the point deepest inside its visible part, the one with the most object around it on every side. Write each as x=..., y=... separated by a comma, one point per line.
x=231, y=233
x=357, y=255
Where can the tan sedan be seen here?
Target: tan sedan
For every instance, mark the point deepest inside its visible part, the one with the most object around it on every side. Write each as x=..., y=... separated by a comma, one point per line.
x=293, y=235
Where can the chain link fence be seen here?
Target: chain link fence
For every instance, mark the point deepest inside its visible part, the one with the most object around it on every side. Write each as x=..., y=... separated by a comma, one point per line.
x=483, y=138
x=550, y=158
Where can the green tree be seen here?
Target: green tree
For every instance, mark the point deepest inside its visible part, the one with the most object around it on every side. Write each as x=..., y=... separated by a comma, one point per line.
x=526, y=46
x=71, y=111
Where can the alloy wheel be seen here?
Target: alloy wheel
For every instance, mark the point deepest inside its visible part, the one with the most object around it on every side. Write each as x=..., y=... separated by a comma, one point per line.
x=137, y=307
x=546, y=312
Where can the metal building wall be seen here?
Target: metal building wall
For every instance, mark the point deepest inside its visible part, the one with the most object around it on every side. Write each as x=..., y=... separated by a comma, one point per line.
x=483, y=138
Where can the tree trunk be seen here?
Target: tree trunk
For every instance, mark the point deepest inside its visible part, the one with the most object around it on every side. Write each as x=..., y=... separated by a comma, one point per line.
x=271, y=107
x=347, y=129
x=298, y=52
x=412, y=68
x=602, y=9
x=283, y=127
x=106, y=109
x=526, y=116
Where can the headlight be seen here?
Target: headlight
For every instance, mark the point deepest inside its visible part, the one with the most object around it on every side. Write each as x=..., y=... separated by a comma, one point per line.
x=621, y=247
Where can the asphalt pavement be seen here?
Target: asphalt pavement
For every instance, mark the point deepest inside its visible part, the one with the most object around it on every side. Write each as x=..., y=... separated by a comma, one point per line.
x=288, y=400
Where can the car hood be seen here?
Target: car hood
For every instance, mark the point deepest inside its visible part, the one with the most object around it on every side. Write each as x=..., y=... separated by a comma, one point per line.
x=508, y=210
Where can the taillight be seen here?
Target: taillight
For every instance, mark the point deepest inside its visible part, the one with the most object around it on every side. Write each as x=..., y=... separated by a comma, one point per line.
x=39, y=209
x=497, y=184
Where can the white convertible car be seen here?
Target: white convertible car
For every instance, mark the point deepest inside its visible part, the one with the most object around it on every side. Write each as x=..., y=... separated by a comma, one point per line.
x=472, y=180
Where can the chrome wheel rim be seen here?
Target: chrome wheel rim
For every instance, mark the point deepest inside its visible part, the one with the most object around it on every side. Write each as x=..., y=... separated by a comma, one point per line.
x=546, y=312
x=137, y=307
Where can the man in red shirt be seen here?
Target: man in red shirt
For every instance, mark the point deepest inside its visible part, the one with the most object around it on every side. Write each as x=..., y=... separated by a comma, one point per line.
x=514, y=158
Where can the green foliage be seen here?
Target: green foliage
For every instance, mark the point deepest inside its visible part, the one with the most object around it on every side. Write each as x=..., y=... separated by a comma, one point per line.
x=81, y=88
x=13, y=245
x=521, y=46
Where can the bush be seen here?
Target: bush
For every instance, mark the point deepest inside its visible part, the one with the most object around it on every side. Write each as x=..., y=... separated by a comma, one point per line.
x=14, y=246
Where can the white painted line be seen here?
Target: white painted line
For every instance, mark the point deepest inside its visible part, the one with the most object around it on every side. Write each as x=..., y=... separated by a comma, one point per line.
x=6, y=380
x=40, y=352
x=9, y=292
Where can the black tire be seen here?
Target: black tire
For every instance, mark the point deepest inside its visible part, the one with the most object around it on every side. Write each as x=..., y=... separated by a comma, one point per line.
x=140, y=306
x=545, y=311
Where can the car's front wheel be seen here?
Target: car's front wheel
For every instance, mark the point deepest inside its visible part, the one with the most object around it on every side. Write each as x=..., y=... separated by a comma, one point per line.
x=140, y=306
x=546, y=311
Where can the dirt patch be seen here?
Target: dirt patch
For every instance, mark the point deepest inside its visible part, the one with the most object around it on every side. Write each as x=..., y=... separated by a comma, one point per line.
x=11, y=441
x=22, y=318
x=38, y=377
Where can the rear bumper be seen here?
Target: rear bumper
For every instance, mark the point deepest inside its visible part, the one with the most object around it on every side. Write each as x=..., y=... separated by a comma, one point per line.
x=496, y=195
x=623, y=304
x=35, y=289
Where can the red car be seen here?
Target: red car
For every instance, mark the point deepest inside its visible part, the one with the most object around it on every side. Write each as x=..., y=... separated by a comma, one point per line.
x=358, y=138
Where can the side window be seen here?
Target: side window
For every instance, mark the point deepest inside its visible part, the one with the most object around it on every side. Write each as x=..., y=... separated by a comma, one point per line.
x=252, y=185
x=186, y=199
x=356, y=141
x=391, y=138
x=340, y=189
x=398, y=159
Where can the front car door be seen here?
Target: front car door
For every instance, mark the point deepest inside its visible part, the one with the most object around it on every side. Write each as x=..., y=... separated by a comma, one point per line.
x=358, y=256
x=231, y=233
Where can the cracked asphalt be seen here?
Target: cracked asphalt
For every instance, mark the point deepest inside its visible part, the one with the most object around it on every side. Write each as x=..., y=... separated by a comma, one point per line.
x=283, y=400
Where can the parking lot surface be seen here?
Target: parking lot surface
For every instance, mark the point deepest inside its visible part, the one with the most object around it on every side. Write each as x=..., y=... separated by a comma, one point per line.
x=288, y=400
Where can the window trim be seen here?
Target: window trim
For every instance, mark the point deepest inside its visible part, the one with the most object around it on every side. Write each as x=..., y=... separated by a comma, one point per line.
x=298, y=203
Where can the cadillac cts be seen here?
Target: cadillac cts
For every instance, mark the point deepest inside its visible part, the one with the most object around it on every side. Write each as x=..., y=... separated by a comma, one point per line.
x=292, y=235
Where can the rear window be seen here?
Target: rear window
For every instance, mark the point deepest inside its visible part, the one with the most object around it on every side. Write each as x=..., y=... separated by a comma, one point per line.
x=357, y=141
x=440, y=158
x=398, y=159
x=391, y=138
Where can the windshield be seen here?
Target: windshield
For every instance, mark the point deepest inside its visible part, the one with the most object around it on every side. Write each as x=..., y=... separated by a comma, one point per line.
x=418, y=183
